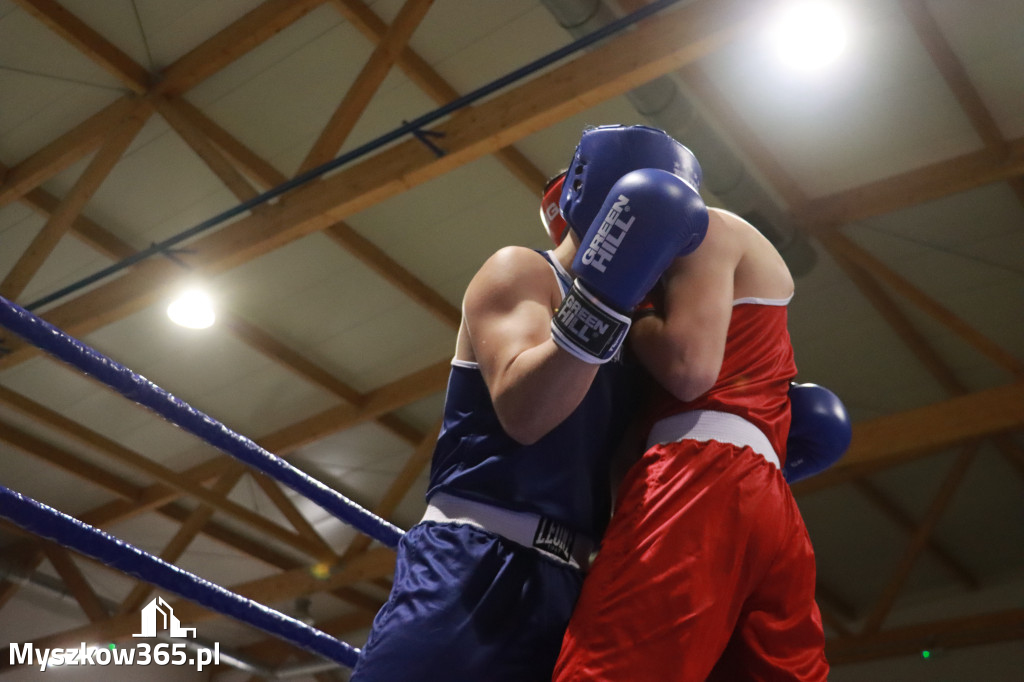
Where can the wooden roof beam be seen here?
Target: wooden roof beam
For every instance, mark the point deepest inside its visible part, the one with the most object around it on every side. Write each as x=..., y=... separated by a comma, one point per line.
x=270, y=590
x=920, y=345
x=388, y=398
x=919, y=541
x=76, y=582
x=161, y=495
x=64, y=216
x=396, y=492
x=986, y=628
x=849, y=251
x=380, y=262
x=901, y=518
x=953, y=72
x=113, y=450
x=109, y=244
x=275, y=651
x=160, y=498
x=886, y=441
x=262, y=23
x=362, y=248
x=243, y=35
x=365, y=86
x=63, y=152
x=279, y=499
x=112, y=246
x=88, y=231
x=243, y=158
x=654, y=48
x=65, y=461
x=437, y=88
x=94, y=46
x=887, y=308
x=195, y=129
x=183, y=124
x=85, y=230
x=940, y=179
x=186, y=533
x=956, y=76
x=865, y=270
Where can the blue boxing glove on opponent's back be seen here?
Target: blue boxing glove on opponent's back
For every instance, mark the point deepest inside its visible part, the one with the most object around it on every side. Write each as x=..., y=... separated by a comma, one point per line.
x=819, y=432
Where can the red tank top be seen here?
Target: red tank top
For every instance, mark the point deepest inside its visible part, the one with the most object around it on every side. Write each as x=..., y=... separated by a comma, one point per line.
x=756, y=370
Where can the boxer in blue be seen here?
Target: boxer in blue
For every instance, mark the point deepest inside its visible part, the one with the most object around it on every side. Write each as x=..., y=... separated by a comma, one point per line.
x=538, y=399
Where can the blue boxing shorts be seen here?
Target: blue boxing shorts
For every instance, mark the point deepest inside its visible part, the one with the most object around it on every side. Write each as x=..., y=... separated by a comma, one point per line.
x=468, y=605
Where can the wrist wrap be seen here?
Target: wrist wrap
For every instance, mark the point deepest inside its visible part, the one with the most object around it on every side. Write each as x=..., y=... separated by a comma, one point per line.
x=587, y=328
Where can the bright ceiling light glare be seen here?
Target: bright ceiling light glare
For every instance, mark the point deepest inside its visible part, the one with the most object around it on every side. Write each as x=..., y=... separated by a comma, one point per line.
x=809, y=35
x=192, y=309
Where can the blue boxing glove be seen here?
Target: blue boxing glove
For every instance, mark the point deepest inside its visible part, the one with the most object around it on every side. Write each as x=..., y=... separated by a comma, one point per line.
x=649, y=217
x=819, y=432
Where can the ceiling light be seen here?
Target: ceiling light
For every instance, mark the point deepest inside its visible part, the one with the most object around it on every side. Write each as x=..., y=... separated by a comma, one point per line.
x=808, y=34
x=192, y=309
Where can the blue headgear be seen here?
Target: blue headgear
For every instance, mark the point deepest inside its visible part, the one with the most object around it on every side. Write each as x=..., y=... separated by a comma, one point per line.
x=606, y=153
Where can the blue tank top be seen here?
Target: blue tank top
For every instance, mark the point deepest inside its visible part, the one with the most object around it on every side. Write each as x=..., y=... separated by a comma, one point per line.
x=563, y=476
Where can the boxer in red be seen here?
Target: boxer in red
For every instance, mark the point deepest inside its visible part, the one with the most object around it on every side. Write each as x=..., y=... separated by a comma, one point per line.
x=706, y=571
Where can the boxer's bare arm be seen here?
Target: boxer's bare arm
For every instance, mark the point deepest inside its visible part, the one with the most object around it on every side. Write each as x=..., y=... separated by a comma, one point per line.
x=683, y=348
x=506, y=329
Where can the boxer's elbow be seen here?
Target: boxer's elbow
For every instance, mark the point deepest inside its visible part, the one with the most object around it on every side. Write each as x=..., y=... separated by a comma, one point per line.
x=687, y=382
x=685, y=369
x=525, y=429
x=524, y=422
x=530, y=410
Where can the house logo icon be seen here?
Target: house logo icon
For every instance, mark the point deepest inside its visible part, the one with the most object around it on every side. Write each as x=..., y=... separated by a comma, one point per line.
x=158, y=615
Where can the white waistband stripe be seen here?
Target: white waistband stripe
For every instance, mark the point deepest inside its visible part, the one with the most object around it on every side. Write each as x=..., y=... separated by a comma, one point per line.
x=705, y=425
x=530, y=530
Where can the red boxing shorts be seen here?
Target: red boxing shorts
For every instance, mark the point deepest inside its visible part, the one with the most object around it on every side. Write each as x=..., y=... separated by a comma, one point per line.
x=706, y=573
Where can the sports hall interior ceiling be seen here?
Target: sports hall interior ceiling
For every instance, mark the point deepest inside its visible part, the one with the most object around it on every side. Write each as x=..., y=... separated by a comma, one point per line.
x=893, y=183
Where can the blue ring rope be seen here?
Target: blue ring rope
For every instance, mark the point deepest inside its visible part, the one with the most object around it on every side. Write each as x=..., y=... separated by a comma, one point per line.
x=72, y=533
x=137, y=388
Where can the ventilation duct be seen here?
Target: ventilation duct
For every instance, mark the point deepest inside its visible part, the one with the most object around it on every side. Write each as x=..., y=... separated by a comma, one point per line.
x=664, y=105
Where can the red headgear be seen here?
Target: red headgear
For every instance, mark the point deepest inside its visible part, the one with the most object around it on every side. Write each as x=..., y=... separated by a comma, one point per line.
x=550, y=214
